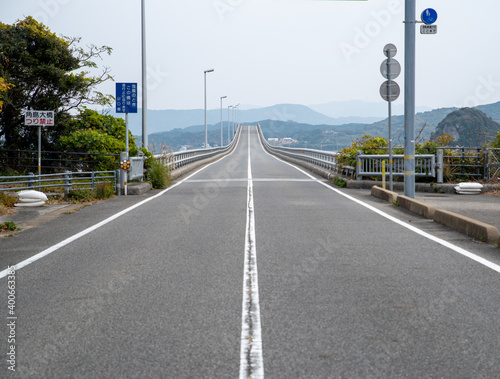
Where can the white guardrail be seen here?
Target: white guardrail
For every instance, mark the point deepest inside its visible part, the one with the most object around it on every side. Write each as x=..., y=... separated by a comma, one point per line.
x=182, y=158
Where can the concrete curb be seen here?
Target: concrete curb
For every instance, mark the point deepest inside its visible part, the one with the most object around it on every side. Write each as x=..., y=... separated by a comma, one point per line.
x=468, y=226
x=138, y=188
x=419, y=187
x=384, y=194
x=416, y=206
x=465, y=225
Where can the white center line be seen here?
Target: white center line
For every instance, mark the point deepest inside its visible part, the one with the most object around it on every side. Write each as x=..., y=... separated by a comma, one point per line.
x=251, y=358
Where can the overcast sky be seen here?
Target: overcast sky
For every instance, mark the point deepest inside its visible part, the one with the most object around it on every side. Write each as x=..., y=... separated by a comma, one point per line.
x=268, y=52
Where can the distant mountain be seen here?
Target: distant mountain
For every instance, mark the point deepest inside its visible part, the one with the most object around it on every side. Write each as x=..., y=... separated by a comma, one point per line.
x=169, y=119
x=361, y=109
x=287, y=120
x=491, y=110
x=469, y=127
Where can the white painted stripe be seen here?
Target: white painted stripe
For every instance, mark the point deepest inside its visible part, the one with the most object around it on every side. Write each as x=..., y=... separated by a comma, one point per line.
x=438, y=240
x=246, y=180
x=67, y=241
x=251, y=357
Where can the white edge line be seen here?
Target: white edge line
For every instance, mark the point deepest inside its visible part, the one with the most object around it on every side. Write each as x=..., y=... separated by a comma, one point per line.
x=90, y=229
x=440, y=241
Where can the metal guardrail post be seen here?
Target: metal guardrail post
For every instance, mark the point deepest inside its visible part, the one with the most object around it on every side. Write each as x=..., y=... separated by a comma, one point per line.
x=31, y=180
x=439, y=165
x=92, y=179
x=67, y=182
x=117, y=182
x=486, y=155
x=358, y=166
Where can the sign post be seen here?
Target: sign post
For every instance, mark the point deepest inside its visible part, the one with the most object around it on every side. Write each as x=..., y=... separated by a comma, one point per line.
x=428, y=17
x=126, y=102
x=389, y=90
x=39, y=118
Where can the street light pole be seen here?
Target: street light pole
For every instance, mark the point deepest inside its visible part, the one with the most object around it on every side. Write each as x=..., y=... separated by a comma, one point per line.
x=144, y=78
x=221, y=133
x=228, y=123
x=205, y=85
x=234, y=117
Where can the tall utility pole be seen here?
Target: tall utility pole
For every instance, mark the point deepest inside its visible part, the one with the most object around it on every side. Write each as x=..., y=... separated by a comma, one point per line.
x=144, y=78
x=205, y=86
x=409, y=141
x=228, y=123
x=221, y=132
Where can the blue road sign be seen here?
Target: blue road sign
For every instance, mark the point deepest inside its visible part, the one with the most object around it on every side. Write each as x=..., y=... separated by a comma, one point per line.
x=429, y=16
x=126, y=97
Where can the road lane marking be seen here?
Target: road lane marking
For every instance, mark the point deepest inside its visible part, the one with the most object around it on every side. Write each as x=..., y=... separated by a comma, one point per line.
x=90, y=229
x=246, y=180
x=438, y=240
x=251, y=357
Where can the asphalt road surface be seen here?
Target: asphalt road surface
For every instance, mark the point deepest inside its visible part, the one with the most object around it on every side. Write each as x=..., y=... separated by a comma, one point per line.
x=247, y=268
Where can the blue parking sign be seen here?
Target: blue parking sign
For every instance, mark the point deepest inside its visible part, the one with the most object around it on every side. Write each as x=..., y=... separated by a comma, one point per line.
x=126, y=97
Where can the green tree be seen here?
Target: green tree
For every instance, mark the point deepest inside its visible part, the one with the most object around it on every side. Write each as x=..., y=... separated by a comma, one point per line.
x=366, y=144
x=92, y=132
x=44, y=72
x=496, y=143
x=4, y=86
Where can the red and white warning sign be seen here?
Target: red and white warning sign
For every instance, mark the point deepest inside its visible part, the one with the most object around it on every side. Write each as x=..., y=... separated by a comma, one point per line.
x=39, y=118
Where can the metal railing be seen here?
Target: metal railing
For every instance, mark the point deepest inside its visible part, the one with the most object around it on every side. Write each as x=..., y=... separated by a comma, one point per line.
x=66, y=180
x=324, y=159
x=54, y=161
x=492, y=165
x=466, y=162
x=182, y=158
x=371, y=165
x=367, y=165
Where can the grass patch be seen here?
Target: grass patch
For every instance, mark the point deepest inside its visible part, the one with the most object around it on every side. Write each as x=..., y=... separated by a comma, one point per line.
x=339, y=182
x=158, y=174
x=9, y=226
x=7, y=200
x=101, y=192
x=104, y=191
x=6, y=203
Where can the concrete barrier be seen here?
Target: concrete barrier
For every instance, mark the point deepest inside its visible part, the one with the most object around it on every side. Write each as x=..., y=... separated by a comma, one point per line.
x=418, y=207
x=473, y=228
x=138, y=188
x=384, y=194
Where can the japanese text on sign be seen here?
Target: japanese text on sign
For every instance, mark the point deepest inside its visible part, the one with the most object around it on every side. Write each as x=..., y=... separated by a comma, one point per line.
x=39, y=118
x=126, y=97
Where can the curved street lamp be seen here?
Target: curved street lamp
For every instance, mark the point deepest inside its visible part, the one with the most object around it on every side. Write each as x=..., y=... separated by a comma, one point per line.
x=221, y=135
x=205, y=84
x=228, y=123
